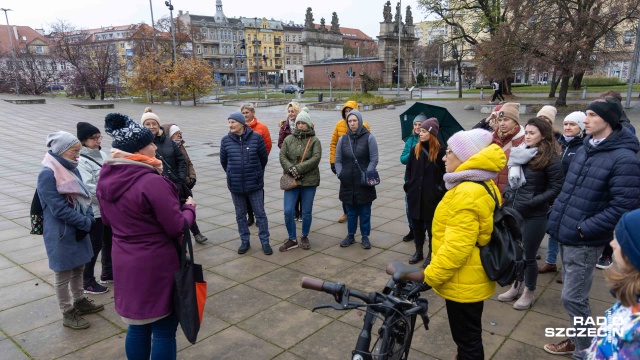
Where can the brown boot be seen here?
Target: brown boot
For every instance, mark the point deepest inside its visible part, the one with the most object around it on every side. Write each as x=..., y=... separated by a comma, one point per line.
x=342, y=218
x=559, y=278
x=547, y=268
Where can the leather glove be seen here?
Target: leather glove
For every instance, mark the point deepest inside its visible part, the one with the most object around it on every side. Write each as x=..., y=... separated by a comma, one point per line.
x=333, y=169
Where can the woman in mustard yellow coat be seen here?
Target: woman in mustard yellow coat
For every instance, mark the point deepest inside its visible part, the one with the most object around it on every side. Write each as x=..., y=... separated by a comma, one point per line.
x=464, y=218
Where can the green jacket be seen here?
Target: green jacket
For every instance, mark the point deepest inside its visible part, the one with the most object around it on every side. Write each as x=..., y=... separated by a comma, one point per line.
x=291, y=153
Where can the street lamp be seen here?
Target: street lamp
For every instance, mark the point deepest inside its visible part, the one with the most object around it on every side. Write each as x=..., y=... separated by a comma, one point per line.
x=173, y=39
x=13, y=50
x=399, y=34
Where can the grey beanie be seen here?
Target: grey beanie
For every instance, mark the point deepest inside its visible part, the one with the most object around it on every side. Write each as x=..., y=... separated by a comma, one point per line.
x=61, y=141
x=304, y=117
x=237, y=116
x=420, y=118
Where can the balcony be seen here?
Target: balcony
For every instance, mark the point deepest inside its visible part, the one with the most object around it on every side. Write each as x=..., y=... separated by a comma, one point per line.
x=277, y=42
x=278, y=55
x=278, y=67
x=257, y=54
x=256, y=42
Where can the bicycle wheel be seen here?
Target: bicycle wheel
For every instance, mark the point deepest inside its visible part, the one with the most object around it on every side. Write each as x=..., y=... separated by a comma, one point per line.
x=394, y=339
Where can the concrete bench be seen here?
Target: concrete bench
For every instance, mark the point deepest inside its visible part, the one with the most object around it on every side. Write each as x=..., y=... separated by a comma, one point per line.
x=95, y=106
x=488, y=108
x=25, y=101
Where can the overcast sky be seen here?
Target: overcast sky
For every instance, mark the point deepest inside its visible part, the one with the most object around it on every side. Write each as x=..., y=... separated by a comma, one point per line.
x=365, y=15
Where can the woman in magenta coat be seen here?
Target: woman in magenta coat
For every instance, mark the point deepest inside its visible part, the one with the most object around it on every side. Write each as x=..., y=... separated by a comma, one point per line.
x=143, y=210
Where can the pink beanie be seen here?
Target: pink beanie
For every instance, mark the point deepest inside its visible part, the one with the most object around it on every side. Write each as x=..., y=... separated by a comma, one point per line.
x=465, y=144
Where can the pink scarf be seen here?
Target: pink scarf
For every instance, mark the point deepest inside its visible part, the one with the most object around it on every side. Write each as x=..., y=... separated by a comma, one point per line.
x=68, y=184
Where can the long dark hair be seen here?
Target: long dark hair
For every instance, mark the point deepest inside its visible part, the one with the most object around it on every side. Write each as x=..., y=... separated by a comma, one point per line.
x=548, y=147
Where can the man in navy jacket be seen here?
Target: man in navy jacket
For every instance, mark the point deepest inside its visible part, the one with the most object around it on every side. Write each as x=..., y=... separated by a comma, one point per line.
x=244, y=156
x=602, y=183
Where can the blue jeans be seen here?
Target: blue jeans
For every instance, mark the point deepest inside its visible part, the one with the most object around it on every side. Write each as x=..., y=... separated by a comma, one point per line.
x=256, y=198
x=156, y=340
x=406, y=208
x=552, y=251
x=290, y=199
x=578, y=265
x=363, y=212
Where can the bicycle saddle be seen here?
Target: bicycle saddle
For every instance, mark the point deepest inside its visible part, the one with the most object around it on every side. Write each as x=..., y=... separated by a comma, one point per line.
x=405, y=273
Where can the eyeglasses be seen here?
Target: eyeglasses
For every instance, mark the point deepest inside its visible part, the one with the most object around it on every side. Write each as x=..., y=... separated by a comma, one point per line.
x=448, y=152
x=96, y=138
x=74, y=152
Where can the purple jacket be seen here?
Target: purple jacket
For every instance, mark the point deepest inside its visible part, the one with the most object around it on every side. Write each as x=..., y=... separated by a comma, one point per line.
x=142, y=208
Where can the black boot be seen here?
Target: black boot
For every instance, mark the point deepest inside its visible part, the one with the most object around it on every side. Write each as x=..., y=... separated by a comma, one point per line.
x=251, y=220
x=417, y=256
x=409, y=236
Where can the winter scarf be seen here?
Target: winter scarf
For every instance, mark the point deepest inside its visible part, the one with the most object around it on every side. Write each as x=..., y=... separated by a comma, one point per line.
x=69, y=184
x=451, y=180
x=519, y=156
x=153, y=161
x=503, y=138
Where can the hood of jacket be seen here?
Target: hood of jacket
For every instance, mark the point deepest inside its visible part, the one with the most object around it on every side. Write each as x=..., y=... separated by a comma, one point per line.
x=349, y=104
x=117, y=176
x=491, y=158
x=619, y=139
x=361, y=129
x=92, y=153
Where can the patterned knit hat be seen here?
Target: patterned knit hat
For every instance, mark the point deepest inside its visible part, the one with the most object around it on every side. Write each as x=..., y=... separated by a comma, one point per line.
x=608, y=109
x=431, y=125
x=465, y=144
x=127, y=134
x=576, y=117
x=148, y=114
x=304, y=117
x=548, y=112
x=628, y=236
x=510, y=111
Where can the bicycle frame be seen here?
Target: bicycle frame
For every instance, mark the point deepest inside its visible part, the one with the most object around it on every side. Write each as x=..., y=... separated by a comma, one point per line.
x=396, y=304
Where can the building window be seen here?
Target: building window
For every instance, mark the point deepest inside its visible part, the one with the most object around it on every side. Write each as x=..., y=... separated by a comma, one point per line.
x=286, y=49
x=286, y=38
x=121, y=45
x=288, y=61
x=628, y=37
x=294, y=49
x=39, y=50
x=206, y=50
x=270, y=50
x=198, y=50
x=269, y=38
x=610, y=40
x=299, y=61
x=264, y=37
x=250, y=62
x=299, y=38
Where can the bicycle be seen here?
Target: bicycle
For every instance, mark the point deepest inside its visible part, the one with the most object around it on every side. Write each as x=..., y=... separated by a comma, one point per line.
x=398, y=306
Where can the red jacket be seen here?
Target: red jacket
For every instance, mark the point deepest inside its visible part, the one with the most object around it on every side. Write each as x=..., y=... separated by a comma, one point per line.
x=263, y=130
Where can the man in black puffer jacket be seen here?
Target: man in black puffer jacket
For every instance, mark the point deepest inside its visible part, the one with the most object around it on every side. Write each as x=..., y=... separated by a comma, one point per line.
x=603, y=183
x=243, y=156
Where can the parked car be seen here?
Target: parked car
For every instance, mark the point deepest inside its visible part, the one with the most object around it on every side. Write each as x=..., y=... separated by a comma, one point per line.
x=55, y=87
x=292, y=89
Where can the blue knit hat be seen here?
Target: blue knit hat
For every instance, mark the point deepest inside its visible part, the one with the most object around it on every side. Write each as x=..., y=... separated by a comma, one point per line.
x=628, y=236
x=237, y=116
x=127, y=134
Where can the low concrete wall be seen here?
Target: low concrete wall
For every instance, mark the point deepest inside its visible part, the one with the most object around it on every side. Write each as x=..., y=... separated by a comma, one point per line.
x=26, y=101
x=256, y=103
x=95, y=106
x=524, y=108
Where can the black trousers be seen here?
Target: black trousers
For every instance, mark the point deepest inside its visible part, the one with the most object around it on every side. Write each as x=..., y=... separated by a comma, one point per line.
x=100, y=236
x=420, y=226
x=497, y=94
x=465, y=320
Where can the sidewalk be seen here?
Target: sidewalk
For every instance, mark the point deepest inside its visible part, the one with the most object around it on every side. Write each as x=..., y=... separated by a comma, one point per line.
x=256, y=308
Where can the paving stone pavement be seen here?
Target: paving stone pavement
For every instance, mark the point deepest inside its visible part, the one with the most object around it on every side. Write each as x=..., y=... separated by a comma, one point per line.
x=256, y=308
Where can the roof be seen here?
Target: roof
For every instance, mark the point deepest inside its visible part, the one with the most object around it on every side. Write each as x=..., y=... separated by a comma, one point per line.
x=349, y=33
x=26, y=35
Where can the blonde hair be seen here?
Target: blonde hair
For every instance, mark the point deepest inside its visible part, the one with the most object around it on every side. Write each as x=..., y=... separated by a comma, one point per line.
x=248, y=107
x=624, y=281
x=296, y=107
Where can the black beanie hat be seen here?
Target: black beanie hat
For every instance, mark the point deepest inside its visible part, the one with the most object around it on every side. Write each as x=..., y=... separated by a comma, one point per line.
x=85, y=131
x=127, y=134
x=608, y=109
x=628, y=236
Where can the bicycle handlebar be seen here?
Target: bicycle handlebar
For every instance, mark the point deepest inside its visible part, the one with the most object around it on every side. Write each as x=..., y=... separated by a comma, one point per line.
x=334, y=289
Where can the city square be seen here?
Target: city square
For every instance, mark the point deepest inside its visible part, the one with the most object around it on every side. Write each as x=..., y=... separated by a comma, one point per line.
x=255, y=307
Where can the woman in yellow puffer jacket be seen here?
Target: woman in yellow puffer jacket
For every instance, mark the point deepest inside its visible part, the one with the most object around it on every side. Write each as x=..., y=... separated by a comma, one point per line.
x=340, y=129
x=462, y=221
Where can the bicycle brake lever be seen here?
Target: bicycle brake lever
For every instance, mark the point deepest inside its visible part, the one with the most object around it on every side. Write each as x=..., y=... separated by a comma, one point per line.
x=336, y=307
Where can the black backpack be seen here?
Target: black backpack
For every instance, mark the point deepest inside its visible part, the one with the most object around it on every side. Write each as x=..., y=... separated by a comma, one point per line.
x=503, y=257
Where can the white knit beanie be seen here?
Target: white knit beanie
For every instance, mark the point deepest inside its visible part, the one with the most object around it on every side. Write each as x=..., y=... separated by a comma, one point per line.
x=465, y=144
x=173, y=129
x=576, y=117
